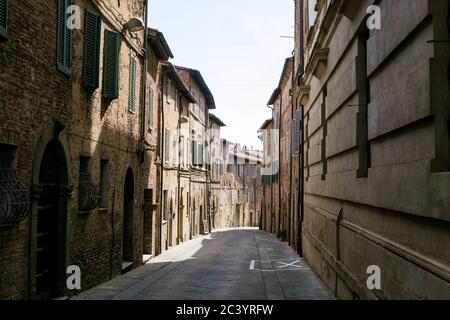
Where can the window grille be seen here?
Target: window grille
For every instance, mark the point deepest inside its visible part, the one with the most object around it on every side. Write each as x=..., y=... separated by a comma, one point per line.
x=14, y=198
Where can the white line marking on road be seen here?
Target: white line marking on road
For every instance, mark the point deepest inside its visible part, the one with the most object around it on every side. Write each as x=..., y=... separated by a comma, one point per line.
x=292, y=264
x=284, y=267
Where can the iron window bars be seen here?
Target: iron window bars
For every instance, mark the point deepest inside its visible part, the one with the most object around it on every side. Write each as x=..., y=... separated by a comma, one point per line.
x=89, y=194
x=14, y=198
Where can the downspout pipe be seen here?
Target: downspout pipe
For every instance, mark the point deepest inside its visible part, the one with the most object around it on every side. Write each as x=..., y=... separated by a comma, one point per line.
x=180, y=107
x=279, y=161
x=272, y=230
x=301, y=160
x=144, y=83
x=208, y=170
x=161, y=159
x=291, y=216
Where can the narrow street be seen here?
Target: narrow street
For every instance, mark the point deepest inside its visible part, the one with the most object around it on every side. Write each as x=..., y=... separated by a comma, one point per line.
x=239, y=264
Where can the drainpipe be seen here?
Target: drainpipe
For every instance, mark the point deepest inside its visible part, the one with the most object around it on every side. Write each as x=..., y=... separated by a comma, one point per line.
x=208, y=171
x=161, y=159
x=279, y=160
x=271, y=180
x=180, y=106
x=301, y=191
x=291, y=153
x=144, y=78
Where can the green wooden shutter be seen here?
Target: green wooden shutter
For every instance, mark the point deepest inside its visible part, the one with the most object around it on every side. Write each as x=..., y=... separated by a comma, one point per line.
x=63, y=38
x=3, y=17
x=91, y=58
x=132, y=84
x=111, y=65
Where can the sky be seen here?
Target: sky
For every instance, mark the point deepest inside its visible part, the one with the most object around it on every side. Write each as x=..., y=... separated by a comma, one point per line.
x=237, y=47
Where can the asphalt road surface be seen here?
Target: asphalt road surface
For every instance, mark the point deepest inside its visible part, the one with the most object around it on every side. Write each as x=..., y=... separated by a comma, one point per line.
x=236, y=264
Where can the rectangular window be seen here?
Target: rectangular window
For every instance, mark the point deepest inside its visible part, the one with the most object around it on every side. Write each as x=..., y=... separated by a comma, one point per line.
x=175, y=149
x=132, y=86
x=84, y=177
x=84, y=168
x=148, y=196
x=165, y=205
x=298, y=131
x=111, y=51
x=200, y=155
x=167, y=146
x=176, y=101
x=104, y=183
x=150, y=109
x=91, y=53
x=182, y=151
x=168, y=90
x=195, y=157
x=4, y=18
x=8, y=156
x=63, y=38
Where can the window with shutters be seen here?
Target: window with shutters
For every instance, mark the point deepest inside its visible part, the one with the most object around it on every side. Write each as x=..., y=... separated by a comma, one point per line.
x=63, y=38
x=132, y=85
x=91, y=53
x=175, y=150
x=200, y=155
x=150, y=109
x=167, y=146
x=168, y=90
x=4, y=18
x=195, y=153
x=295, y=133
x=182, y=151
x=111, y=51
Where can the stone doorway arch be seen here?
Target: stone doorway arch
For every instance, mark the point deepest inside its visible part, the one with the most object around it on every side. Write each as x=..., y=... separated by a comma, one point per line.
x=49, y=234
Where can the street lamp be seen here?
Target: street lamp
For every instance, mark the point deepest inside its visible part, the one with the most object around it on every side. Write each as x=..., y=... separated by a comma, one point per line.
x=135, y=24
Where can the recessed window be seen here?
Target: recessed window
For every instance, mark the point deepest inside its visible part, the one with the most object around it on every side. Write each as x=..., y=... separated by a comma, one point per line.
x=165, y=205
x=89, y=196
x=104, y=183
x=150, y=109
x=111, y=50
x=168, y=90
x=132, y=84
x=4, y=18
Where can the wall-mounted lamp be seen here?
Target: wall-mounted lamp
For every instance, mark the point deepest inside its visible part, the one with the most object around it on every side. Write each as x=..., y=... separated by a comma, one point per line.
x=135, y=24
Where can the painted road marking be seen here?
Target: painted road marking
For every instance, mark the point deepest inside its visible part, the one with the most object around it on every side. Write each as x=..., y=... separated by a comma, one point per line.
x=289, y=265
x=292, y=264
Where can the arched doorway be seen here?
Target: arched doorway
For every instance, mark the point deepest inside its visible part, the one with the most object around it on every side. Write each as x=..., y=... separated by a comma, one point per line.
x=128, y=218
x=50, y=223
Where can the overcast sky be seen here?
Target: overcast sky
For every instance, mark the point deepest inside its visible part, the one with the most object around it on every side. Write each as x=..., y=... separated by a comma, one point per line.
x=237, y=47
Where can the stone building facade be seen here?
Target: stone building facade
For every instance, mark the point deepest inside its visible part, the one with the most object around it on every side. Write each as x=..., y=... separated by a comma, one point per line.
x=375, y=145
x=216, y=169
x=240, y=187
x=176, y=99
x=198, y=189
x=71, y=125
